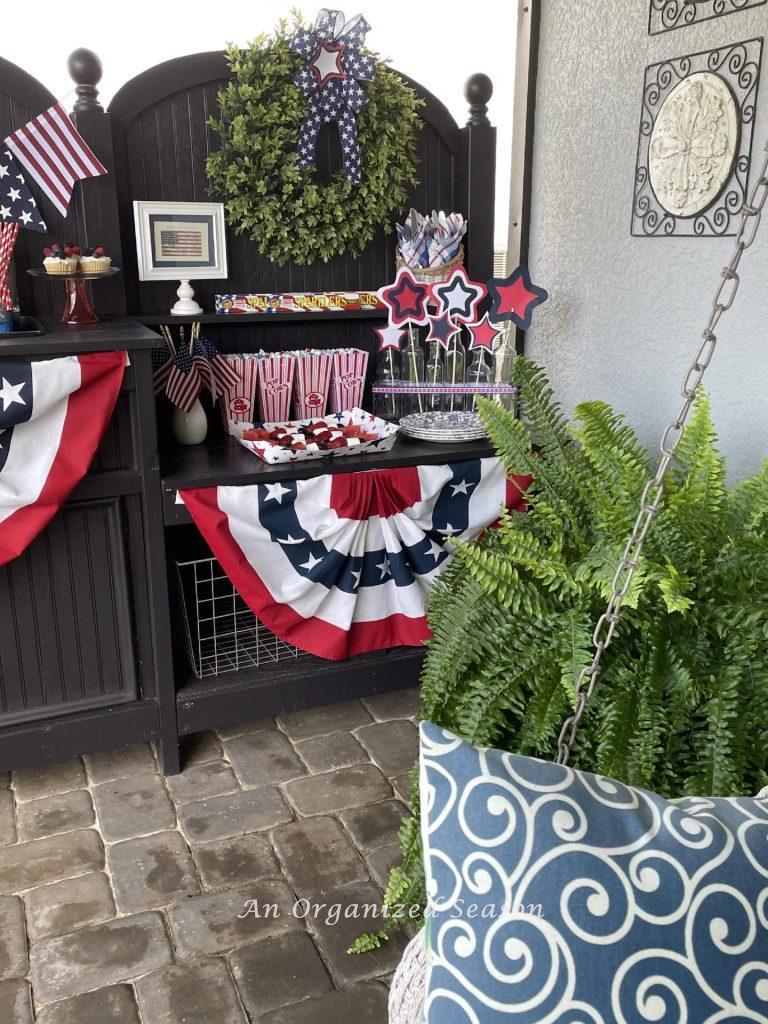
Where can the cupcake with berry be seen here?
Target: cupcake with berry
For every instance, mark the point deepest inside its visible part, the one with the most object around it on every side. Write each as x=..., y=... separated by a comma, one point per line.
x=94, y=260
x=61, y=259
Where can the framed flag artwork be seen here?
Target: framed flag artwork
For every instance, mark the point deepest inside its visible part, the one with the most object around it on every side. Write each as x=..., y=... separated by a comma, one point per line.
x=180, y=241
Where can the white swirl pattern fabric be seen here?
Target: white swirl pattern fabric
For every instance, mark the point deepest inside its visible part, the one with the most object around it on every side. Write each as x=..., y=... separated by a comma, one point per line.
x=562, y=897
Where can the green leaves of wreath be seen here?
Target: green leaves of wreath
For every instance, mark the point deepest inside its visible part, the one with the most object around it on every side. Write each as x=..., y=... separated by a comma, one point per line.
x=286, y=211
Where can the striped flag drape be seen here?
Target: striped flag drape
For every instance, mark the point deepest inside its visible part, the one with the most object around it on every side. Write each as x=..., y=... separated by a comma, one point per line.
x=54, y=154
x=8, y=236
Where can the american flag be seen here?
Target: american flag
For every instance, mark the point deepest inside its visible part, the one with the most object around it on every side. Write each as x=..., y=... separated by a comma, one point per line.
x=55, y=154
x=17, y=209
x=181, y=243
x=184, y=385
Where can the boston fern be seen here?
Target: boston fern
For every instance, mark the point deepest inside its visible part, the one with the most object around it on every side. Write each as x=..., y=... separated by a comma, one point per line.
x=681, y=705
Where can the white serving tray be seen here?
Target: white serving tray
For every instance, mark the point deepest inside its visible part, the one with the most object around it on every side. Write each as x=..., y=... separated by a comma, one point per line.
x=274, y=453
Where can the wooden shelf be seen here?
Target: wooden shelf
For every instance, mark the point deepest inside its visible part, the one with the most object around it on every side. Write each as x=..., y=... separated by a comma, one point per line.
x=260, y=319
x=219, y=701
x=226, y=461
x=111, y=334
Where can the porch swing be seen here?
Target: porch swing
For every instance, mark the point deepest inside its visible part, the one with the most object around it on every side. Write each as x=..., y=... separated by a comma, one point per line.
x=408, y=990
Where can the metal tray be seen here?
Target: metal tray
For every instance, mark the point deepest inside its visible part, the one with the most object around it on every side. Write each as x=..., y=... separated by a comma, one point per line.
x=24, y=327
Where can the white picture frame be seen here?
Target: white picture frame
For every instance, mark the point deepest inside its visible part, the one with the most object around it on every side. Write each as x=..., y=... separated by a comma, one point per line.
x=180, y=242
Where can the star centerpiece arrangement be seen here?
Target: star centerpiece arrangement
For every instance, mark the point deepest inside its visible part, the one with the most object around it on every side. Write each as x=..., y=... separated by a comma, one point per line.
x=334, y=66
x=515, y=298
x=406, y=300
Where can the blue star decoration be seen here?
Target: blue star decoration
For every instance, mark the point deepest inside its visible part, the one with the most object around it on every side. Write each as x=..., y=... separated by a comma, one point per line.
x=334, y=65
x=442, y=329
x=515, y=298
x=458, y=296
x=406, y=300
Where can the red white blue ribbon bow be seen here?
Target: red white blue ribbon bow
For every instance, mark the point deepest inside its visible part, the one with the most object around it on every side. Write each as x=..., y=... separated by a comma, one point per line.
x=330, y=80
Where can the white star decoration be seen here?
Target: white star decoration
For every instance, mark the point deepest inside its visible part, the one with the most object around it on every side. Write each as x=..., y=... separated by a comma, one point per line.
x=275, y=492
x=448, y=530
x=311, y=562
x=356, y=577
x=384, y=566
x=3, y=172
x=435, y=550
x=5, y=212
x=461, y=488
x=290, y=540
x=14, y=195
x=10, y=394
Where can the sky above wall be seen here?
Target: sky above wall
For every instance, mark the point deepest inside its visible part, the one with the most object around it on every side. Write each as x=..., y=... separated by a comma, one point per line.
x=440, y=43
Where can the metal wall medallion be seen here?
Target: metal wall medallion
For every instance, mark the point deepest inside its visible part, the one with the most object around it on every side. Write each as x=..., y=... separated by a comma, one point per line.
x=668, y=14
x=695, y=142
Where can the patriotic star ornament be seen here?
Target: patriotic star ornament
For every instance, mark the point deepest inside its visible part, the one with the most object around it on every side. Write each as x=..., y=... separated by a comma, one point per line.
x=482, y=335
x=515, y=298
x=442, y=329
x=334, y=66
x=389, y=337
x=459, y=297
x=406, y=300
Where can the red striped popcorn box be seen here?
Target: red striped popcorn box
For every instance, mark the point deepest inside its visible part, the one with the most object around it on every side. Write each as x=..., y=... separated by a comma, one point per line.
x=349, y=366
x=240, y=399
x=275, y=386
x=311, y=383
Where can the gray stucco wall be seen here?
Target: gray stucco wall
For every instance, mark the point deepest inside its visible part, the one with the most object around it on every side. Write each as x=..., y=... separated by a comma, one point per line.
x=625, y=313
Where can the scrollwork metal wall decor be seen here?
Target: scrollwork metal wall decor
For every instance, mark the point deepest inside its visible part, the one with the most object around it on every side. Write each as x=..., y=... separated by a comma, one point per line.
x=695, y=142
x=669, y=14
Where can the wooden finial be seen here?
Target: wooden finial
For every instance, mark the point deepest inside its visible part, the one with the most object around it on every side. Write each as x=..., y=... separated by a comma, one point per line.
x=477, y=92
x=85, y=71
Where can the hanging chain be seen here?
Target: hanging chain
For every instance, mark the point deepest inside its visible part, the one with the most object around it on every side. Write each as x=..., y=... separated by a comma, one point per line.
x=650, y=501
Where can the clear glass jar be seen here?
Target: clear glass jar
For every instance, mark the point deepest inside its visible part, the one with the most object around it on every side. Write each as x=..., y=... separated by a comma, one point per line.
x=479, y=371
x=455, y=363
x=412, y=372
x=387, y=375
x=435, y=376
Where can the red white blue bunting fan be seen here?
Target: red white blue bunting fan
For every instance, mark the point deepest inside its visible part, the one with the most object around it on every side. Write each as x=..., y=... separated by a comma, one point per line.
x=53, y=414
x=334, y=66
x=342, y=563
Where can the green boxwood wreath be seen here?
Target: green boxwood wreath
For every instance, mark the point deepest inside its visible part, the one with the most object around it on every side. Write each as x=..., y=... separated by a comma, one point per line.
x=285, y=210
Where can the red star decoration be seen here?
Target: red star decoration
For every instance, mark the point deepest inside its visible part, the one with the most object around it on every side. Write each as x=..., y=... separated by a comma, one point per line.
x=483, y=334
x=406, y=300
x=326, y=63
x=515, y=298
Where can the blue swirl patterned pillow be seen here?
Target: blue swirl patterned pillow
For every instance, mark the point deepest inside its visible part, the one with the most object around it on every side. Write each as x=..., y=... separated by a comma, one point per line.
x=561, y=897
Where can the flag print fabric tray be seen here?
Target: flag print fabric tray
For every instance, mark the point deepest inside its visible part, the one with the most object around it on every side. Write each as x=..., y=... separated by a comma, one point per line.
x=386, y=434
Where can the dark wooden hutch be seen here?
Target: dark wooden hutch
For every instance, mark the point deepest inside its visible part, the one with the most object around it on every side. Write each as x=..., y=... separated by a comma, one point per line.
x=91, y=655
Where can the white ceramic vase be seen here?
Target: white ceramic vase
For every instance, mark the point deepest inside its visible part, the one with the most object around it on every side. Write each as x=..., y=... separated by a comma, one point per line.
x=190, y=427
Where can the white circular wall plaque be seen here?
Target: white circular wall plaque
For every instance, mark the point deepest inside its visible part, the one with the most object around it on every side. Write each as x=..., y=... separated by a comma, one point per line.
x=693, y=144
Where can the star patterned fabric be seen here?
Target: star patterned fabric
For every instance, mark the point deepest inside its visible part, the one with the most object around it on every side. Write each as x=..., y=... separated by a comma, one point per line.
x=482, y=334
x=406, y=300
x=442, y=329
x=515, y=298
x=330, y=80
x=17, y=204
x=458, y=296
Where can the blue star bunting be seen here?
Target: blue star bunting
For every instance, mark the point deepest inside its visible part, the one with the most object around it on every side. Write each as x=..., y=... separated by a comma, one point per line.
x=329, y=81
x=17, y=204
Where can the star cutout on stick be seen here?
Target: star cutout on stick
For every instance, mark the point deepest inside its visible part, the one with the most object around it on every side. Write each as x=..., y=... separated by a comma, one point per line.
x=482, y=334
x=442, y=329
x=459, y=296
x=389, y=337
x=515, y=298
x=406, y=300
x=326, y=63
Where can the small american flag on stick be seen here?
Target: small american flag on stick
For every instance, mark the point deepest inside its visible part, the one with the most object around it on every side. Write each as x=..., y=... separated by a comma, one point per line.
x=54, y=154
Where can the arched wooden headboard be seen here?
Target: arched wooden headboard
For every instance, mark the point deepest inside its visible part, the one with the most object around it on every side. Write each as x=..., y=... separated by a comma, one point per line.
x=22, y=97
x=162, y=139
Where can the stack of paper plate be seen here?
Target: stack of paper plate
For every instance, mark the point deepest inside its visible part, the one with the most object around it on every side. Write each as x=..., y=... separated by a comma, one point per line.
x=443, y=426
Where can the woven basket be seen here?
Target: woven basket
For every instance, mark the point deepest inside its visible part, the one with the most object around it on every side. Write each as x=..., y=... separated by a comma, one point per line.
x=432, y=275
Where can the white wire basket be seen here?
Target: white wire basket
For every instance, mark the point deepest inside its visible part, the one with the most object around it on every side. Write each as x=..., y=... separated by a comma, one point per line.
x=222, y=633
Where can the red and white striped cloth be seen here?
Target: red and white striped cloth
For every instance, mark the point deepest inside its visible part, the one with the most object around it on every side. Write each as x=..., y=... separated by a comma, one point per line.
x=55, y=154
x=349, y=368
x=8, y=236
x=313, y=378
x=275, y=386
